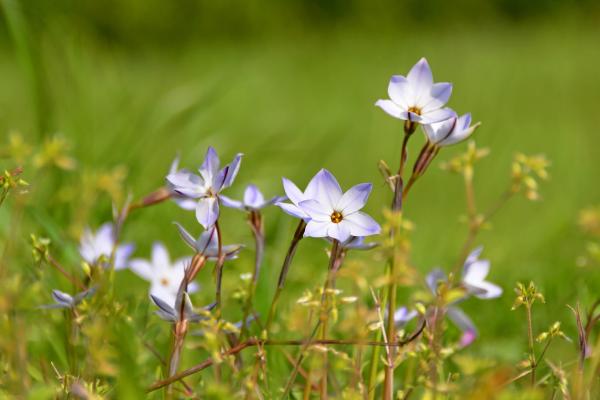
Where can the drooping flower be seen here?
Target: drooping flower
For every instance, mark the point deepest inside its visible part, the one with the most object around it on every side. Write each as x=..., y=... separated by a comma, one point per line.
x=208, y=244
x=253, y=200
x=473, y=277
x=474, y=273
x=99, y=247
x=65, y=300
x=164, y=276
x=207, y=186
x=172, y=314
x=416, y=98
x=336, y=214
x=296, y=196
x=181, y=200
x=451, y=131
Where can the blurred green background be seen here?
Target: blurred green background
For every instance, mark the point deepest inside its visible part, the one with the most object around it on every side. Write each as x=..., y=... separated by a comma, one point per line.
x=292, y=86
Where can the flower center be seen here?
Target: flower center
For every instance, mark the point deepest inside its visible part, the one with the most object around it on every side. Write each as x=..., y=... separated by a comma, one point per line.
x=336, y=217
x=164, y=282
x=415, y=110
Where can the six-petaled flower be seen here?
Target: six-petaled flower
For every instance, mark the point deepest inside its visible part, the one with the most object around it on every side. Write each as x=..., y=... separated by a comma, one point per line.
x=336, y=214
x=416, y=98
x=99, y=247
x=164, y=276
x=207, y=186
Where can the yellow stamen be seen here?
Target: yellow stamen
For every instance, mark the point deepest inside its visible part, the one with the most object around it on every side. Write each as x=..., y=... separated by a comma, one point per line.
x=336, y=217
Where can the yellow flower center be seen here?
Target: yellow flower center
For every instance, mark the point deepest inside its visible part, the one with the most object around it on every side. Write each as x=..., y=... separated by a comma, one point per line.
x=336, y=217
x=164, y=282
x=415, y=110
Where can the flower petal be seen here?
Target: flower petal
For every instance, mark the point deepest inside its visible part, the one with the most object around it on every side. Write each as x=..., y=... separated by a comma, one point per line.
x=438, y=96
x=207, y=211
x=227, y=202
x=186, y=183
x=441, y=114
x=62, y=297
x=230, y=172
x=354, y=199
x=186, y=236
x=316, y=210
x=399, y=91
x=463, y=322
x=476, y=271
x=420, y=77
x=339, y=231
x=329, y=191
x=434, y=278
x=361, y=224
x=293, y=210
x=391, y=108
x=160, y=256
x=316, y=229
x=291, y=190
x=210, y=166
x=253, y=198
x=142, y=268
x=122, y=254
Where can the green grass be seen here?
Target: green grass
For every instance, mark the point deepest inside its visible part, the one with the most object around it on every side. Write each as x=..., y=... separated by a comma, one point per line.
x=294, y=104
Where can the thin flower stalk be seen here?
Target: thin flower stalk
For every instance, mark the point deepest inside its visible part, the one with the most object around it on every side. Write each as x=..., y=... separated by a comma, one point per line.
x=258, y=231
x=298, y=235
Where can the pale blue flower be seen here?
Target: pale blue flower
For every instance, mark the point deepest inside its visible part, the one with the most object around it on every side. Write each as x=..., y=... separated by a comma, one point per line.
x=253, y=200
x=295, y=195
x=453, y=130
x=164, y=276
x=336, y=214
x=100, y=245
x=208, y=244
x=207, y=186
x=474, y=273
x=416, y=98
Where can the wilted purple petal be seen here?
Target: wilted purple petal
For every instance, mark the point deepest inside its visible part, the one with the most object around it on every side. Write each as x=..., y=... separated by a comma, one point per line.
x=62, y=297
